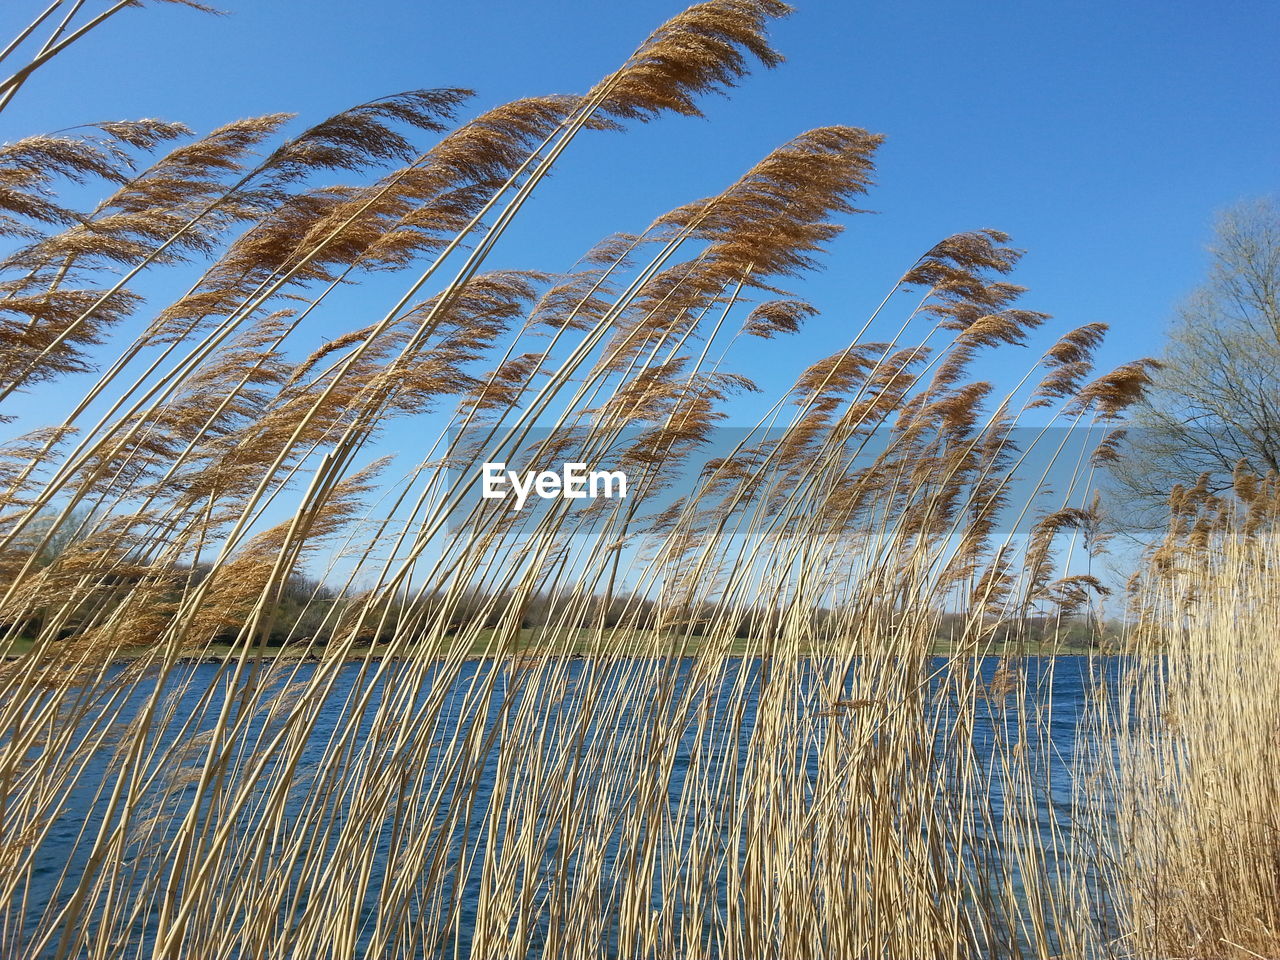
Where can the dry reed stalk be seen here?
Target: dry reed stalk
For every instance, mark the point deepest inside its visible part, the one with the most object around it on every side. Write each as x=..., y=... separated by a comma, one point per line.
x=1188, y=792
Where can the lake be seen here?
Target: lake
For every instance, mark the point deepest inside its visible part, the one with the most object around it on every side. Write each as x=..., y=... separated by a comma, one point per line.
x=471, y=714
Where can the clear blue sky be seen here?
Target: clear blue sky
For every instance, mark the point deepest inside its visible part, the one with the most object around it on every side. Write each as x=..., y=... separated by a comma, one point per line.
x=1101, y=135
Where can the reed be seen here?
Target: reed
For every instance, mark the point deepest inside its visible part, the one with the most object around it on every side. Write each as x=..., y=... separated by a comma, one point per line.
x=699, y=722
x=1189, y=785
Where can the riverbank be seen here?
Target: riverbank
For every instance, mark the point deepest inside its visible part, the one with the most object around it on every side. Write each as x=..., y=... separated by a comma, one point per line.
x=584, y=644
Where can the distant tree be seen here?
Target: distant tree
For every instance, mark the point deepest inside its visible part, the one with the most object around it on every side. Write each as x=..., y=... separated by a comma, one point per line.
x=1216, y=400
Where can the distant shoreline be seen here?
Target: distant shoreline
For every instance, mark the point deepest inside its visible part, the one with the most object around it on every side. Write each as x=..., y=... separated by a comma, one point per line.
x=220, y=655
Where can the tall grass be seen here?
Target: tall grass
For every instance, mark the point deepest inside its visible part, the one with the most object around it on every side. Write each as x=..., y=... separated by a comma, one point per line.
x=759, y=754
x=1188, y=782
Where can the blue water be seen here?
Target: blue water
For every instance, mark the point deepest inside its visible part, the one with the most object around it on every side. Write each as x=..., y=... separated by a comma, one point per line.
x=1063, y=682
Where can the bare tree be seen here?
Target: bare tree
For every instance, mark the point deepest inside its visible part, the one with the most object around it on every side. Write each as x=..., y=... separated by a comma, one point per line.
x=1216, y=400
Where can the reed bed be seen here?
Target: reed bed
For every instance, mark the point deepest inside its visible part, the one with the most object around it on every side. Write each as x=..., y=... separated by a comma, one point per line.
x=1187, y=785
x=706, y=720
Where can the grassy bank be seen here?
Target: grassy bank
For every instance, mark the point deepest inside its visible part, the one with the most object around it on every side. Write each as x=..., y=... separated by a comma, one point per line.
x=577, y=643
